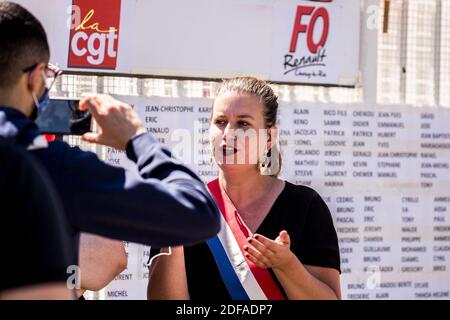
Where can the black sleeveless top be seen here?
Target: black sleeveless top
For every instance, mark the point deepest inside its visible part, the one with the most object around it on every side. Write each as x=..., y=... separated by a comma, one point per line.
x=302, y=213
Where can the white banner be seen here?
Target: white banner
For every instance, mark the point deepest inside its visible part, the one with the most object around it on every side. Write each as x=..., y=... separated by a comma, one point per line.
x=316, y=42
x=384, y=174
x=206, y=38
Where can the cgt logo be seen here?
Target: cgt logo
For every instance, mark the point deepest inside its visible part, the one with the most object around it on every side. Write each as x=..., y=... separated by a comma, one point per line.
x=94, y=34
x=310, y=28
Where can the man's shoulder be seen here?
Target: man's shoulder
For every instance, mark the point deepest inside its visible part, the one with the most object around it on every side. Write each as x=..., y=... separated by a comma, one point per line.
x=60, y=153
x=55, y=147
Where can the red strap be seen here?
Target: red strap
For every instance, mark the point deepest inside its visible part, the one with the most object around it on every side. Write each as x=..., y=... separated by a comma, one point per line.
x=241, y=233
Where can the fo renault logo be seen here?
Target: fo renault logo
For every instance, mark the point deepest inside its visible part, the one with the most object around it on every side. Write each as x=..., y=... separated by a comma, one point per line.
x=316, y=14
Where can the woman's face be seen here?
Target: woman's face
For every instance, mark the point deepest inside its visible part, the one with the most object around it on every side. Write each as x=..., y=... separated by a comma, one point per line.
x=238, y=133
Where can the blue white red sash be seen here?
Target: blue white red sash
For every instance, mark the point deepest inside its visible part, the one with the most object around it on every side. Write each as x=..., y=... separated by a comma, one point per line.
x=243, y=279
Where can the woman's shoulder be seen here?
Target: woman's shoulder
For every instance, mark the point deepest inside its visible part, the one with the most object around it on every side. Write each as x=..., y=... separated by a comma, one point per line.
x=296, y=190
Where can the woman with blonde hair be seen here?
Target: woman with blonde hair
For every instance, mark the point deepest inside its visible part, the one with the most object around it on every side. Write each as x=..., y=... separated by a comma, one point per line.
x=277, y=240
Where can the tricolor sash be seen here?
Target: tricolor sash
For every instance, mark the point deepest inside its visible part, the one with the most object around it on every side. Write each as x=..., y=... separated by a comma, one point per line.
x=243, y=279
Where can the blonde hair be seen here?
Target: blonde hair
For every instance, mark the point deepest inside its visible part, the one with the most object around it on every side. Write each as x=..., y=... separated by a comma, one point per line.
x=261, y=89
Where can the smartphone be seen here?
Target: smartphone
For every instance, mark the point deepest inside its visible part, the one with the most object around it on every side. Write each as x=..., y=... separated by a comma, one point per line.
x=63, y=117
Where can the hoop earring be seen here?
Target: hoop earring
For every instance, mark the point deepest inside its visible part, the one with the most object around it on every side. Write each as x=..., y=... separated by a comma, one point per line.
x=264, y=166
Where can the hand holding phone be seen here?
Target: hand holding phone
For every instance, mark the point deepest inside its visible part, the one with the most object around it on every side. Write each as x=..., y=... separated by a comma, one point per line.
x=118, y=123
x=63, y=117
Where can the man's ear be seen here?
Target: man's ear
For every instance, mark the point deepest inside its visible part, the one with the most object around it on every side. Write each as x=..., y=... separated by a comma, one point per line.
x=35, y=78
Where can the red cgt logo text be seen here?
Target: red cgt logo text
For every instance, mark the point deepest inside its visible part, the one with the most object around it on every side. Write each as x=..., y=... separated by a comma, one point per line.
x=94, y=34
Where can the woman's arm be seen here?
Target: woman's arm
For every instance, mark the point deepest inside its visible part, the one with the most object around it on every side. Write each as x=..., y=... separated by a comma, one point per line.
x=43, y=291
x=299, y=281
x=167, y=277
x=309, y=282
x=101, y=260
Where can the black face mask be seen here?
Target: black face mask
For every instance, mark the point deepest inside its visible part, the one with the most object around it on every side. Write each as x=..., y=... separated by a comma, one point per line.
x=42, y=104
x=34, y=113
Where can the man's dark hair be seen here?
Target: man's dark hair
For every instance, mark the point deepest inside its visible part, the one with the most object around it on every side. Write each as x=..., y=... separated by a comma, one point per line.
x=23, y=43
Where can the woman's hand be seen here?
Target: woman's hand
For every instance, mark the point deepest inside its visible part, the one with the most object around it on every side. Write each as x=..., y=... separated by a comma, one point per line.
x=267, y=253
